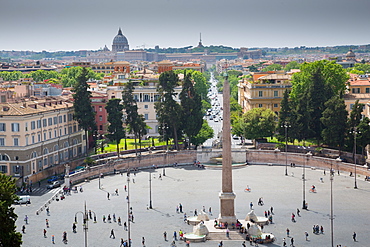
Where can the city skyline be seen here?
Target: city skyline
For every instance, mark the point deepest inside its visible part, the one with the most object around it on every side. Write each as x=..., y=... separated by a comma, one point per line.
x=90, y=25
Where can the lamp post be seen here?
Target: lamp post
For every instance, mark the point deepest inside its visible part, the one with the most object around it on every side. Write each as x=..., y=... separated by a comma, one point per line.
x=128, y=210
x=85, y=221
x=304, y=206
x=150, y=190
x=285, y=125
x=355, y=133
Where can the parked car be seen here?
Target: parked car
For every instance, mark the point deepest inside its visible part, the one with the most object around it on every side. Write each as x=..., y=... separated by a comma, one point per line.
x=23, y=200
x=55, y=184
x=52, y=179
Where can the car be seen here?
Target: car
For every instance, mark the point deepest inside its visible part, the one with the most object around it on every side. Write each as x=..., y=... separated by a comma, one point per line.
x=52, y=179
x=211, y=117
x=55, y=184
x=215, y=119
x=23, y=200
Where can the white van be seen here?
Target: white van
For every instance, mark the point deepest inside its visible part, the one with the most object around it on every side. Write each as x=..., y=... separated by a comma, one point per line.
x=23, y=200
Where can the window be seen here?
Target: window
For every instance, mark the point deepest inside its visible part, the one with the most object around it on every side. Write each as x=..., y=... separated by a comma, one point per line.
x=55, y=133
x=49, y=134
x=367, y=90
x=146, y=106
x=26, y=140
x=15, y=141
x=44, y=136
x=74, y=128
x=2, y=141
x=38, y=124
x=100, y=118
x=276, y=93
x=70, y=117
x=356, y=90
x=2, y=127
x=55, y=119
x=50, y=121
x=64, y=118
x=60, y=119
x=15, y=127
x=146, y=116
x=260, y=93
x=146, y=98
x=44, y=123
x=260, y=105
x=3, y=169
x=38, y=137
x=100, y=108
x=4, y=157
x=275, y=105
x=100, y=127
x=351, y=106
x=33, y=139
x=26, y=126
x=33, y=125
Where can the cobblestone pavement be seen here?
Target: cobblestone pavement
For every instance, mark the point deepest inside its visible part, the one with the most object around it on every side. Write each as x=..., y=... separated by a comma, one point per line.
x=195, y=188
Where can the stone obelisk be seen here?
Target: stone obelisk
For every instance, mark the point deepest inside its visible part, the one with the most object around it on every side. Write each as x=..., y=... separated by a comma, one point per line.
x=227, y=196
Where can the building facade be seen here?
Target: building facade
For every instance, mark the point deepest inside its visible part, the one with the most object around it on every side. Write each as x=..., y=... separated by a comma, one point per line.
x=37, y=134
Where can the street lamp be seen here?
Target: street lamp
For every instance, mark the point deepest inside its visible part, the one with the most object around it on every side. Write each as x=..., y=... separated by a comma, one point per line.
x=355, y=133
x=85, y=221
x=304, y=206
x=128, y=209
x=285, y=125
x=150, y=190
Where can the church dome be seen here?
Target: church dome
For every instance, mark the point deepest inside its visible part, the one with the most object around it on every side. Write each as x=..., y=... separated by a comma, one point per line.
x=350, y=55
x=120, y=42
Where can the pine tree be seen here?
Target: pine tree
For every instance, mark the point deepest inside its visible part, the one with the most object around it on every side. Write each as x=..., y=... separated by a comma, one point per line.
x=83, y=112
x=115, y=128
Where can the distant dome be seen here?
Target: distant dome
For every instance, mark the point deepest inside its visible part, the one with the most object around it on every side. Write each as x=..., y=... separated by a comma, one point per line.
x=120, y=42
x=350, y=55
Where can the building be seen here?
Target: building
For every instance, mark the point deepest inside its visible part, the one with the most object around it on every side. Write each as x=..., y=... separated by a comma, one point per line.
x=145, y=94
x=358, y=89
x=98, y=102
x=36, y=134
x=120, y=42
x=265, y=90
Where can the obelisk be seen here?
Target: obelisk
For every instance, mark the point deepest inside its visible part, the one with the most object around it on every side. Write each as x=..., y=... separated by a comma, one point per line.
x=227, y=196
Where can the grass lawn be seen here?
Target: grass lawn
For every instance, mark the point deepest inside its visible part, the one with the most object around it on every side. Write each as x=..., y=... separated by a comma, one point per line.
x=111, y=147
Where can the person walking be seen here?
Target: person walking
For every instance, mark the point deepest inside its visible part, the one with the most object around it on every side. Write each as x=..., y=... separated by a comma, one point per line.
x=251, y=205
x=52, y=239
x=210, y=211
x=287, y=232
x=143, y=241
x=227, y=233
x=354, y=236
x=74, y=228
x=23, y=229
x=112, y=234
x=272, y=210
x=284, y=242
x=125, y=226
x=47, y=211
x=45, y=233
x=47, y=223
x=165, y=235
x=220, y=244
x=26, y=219
x=65, y=237
x=243, y=244
x=298, y=212
x=180, y=207
x=306, y=235
x=174, y=236
x=292, y=242
x=122, y=243
x=108, y=195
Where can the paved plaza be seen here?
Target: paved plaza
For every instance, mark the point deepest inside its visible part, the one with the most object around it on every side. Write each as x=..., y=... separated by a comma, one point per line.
x=195, y=188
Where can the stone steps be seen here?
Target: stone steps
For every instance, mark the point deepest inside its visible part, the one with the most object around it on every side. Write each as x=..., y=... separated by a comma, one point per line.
x=234, y=235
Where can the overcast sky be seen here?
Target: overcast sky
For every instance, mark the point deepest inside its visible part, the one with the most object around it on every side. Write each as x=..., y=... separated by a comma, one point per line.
x=54, y=25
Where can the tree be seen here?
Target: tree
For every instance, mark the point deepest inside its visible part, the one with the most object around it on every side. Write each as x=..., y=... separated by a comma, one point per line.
x=131, y=109
x=69, y=76
x=333, y=75
x=334, y=119
x=258, y=123
x=82, y=105
x=169, y=112
x=115, y=128
x=8, y=234
x=292, y=65
x=205, y=133
x=354, y=121
x=273, y=67
x=191, y=108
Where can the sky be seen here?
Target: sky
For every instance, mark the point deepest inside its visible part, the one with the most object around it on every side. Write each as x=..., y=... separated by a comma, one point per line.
x=55, y=25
